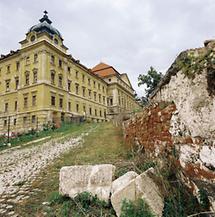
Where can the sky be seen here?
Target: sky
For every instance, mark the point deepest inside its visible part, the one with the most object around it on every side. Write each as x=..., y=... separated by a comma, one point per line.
x=130, y=35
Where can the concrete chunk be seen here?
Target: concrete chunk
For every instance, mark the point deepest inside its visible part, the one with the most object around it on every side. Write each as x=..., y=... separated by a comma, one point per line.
x=143, y=187
x=148, y=190
x=127, y=192
x=122, y=181
x=95, y=179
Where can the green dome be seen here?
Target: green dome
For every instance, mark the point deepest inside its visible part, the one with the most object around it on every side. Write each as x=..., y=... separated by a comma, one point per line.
x=45, y=26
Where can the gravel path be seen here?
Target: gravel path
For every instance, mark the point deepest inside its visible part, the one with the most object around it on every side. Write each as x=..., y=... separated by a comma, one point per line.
x=19, y=168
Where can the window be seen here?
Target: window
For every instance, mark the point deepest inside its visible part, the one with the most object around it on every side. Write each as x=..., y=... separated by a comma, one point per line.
x=32, y=38
x=34, y=100
x=53, y=100
x=55, y=41
x=61, y=103
x=100, y=98
x=83, y=91
x=17, y=65
x=24, y=120
x=89, y=82
x=77, y=89
x=27, y=60
x=90, y=111
x=52, y=77
x=77, y=107
x=95, y=112
x=25, y=102
x=27, y=75
x=103, y=89
x=69, y=69
x=35, y=58
x=84, y=109
x=104, y=100
x=5, y=123
x=100, y=113
x=7, y=82
x=94, y=84
x=99, y=86
x=6, y=107
x=52, y=59
x=109, y=79
x=60, y=63
x=94, y=96
x=16, y=83
x=14, y=121
x=89, y=92
x=33, y=119
x=60, y=81
x=8, y=69
x=69, y=85
x=83, y=78
x=105, y=113
x=35, y=76
x=15, y=106
x=76, y=74
x=69, y=106
x=111, y=101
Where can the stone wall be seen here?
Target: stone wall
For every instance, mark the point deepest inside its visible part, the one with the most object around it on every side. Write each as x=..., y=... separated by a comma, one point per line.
x=150, y=129
x=195, y=106
x=159, y=132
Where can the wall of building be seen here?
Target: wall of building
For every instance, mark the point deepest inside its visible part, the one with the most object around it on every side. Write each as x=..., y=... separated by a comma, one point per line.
x=93, y=106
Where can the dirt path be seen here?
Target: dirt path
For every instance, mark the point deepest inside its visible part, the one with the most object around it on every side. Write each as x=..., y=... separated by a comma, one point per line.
x=20, y=167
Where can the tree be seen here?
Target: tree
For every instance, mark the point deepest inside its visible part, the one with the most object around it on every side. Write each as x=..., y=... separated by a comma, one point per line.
x=141, y=100
x=151, y=80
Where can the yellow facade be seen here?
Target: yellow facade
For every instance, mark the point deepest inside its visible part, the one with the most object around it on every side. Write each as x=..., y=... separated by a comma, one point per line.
x=41, y=84
x=120, y=94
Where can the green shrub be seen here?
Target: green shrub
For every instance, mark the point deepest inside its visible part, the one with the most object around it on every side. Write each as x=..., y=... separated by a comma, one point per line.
x=136, y=209
x=146, y=165
x=56, y=198
x=180, y=203
x=84, y=204
x=66, y=209
x=204, y=201
x=86, y=200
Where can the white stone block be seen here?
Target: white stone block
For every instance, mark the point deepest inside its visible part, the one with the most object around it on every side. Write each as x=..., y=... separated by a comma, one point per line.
x=122, y=181
x=143, y=187
x=96, y=180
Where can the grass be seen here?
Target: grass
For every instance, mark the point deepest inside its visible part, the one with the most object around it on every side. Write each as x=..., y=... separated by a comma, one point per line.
x=64, y=130
x=103, y=145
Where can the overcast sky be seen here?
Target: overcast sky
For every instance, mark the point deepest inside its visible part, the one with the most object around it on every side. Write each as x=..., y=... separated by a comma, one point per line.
x=130, y=35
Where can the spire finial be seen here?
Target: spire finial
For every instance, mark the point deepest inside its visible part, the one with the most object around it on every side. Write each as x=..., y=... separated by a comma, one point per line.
x=45, y=18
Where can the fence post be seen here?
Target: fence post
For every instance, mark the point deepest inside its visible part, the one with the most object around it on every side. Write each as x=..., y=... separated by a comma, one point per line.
x=8, y=130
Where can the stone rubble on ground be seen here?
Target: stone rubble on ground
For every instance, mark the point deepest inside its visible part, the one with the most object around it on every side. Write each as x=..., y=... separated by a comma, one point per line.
x=122, y=181
x=141, y=186
x=96, y=180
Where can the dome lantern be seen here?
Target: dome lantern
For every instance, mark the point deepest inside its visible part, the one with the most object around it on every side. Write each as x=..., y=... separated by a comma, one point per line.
x=45, y=26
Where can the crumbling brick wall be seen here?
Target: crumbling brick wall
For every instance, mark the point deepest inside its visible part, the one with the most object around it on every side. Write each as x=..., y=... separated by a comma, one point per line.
x=151, y=127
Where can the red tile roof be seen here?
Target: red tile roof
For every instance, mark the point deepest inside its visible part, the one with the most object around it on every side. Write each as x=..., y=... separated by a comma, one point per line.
x=103, y=70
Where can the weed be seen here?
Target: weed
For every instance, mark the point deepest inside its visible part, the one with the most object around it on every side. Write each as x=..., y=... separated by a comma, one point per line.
x=66, y=209
x=55, y=198
x=204, y=201
x=136, y=209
